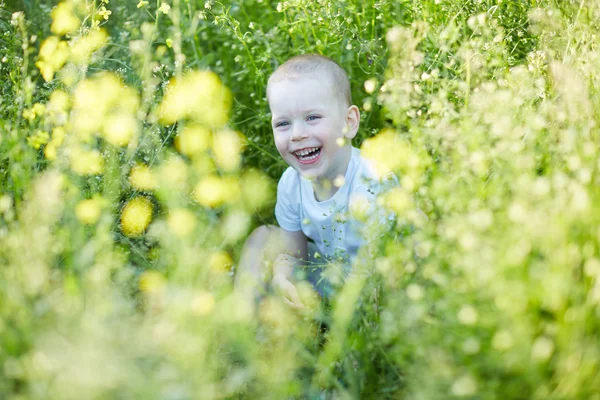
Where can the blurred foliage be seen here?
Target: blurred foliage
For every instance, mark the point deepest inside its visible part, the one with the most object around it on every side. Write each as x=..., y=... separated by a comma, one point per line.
x=136, y=156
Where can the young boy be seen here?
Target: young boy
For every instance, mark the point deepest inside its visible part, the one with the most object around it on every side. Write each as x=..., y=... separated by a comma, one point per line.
x=313, y=122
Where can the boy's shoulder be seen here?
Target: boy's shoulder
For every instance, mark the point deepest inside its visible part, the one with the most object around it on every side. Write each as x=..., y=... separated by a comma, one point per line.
x=289, y=177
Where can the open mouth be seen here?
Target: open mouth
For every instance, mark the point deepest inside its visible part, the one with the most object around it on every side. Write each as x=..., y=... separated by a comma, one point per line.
x=307, y=155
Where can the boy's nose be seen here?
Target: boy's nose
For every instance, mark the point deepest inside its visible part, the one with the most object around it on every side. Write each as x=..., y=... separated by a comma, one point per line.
x=298, y=132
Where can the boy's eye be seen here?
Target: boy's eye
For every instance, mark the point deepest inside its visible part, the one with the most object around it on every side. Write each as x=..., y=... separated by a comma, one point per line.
x=312, y=117
x=282, y=123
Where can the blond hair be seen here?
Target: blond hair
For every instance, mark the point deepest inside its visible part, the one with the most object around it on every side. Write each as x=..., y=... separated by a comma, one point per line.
x=318, y=66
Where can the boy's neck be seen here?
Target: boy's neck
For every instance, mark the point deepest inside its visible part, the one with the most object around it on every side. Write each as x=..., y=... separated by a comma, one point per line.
x=326, y=188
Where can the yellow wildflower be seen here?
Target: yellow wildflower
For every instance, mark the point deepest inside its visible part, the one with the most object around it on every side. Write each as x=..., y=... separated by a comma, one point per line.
x=193, y=140
x=226, y=149
x=213, y=191
x=54, y=53
x=164, y=8
x=120, y=129
x=104, y=13
x=220, y=261
x=141, y=178
x=86, y=162
x=142, y=4
x=199, y=96
x=64, y=19
x=88, y=211
x=181, y=222
x=136, y=216
x=87, y=45
x=203, y=303
x=152, y=282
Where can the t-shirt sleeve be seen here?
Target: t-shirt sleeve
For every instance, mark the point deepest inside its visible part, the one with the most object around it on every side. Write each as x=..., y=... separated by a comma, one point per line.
x=287, y=208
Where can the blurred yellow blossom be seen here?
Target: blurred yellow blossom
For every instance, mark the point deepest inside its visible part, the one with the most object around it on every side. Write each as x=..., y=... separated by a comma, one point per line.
x=467, y=315
x=464, y=386
x=88, y=211
x=192, y=140
x=54, y=53
x=64, y=19
x=173, y=173
x=398, y=200
x=85, y=46
x=142, y=178
x=120, y=129
x=152, y=282
x=370, y=85
x=39, y=138
x=199, y=96
x=226, y=149
x=542, y=348
x=181, y=222
x=213, y=191
x=86, y=162
x=390, y=153
x=256, y=189
x=203, y=303
x=220, y=261
x=142, y=3
x=502, y=340
x=136, y=216
x=164, y=8
x=50, y=152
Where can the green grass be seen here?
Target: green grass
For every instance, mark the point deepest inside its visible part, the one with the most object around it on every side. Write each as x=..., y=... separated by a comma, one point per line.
x=485, y=287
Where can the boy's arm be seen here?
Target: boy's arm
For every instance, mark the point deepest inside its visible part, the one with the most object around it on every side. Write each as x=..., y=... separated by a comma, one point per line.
x=294, y=253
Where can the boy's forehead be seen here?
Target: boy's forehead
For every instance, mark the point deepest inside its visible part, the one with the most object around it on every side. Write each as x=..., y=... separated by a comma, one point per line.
x=300, y=86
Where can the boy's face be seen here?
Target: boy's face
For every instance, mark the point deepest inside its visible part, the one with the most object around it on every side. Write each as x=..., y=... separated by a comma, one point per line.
x=308, y=122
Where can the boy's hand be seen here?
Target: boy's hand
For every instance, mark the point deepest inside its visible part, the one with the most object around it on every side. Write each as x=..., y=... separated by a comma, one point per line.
x=288, y=290
x=282, y=271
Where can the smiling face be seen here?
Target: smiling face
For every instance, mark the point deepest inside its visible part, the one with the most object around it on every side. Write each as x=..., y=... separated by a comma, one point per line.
x=308, y=122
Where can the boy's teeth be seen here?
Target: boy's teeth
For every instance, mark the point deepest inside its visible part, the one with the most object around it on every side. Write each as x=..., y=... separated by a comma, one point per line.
x=304, y=152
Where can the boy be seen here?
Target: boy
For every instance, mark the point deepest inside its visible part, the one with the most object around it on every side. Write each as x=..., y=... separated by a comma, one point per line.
x=313, y=122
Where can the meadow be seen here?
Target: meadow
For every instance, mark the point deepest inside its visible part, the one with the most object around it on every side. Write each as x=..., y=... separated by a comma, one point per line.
x=136, y=156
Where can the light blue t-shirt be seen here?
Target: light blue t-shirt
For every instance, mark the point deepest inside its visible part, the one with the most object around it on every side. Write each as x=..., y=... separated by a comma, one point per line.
x=328, y=223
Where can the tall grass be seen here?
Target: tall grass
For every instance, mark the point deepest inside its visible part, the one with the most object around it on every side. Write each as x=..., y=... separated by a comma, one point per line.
x=136, y=156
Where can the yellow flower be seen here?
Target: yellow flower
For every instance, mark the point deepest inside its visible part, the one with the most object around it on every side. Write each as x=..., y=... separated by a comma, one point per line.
x=50, y=152
x=38, y=139
x=213, y=191
x=389, y=153
x=87, y=45
x=88, y=211
x=136, y=216
x=226, y=149
x=141, y=178
x=104, y=13
x=120, y=129
x=164, y=8
x=199, y=96
x=63, y=19
x=257, y=190
x=142, y=4
x=181, y=222
x=85, y=162
x=220, y=262
x=203, y=303
x=54, y=53
x=193, y=140
x=151, y=282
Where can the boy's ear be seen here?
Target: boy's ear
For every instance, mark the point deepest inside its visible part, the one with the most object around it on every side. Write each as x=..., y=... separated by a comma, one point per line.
x=352, y=121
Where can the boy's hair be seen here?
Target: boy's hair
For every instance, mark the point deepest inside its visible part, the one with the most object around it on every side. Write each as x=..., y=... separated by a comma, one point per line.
x=316, y=65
